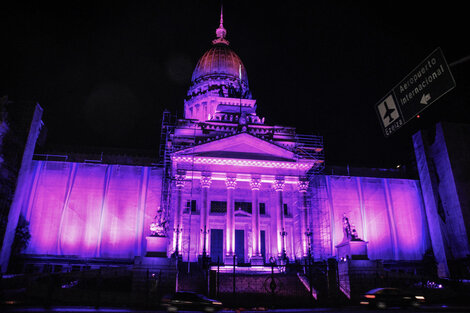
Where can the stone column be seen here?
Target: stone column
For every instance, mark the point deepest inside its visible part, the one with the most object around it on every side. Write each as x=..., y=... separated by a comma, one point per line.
x=231, y=183
x=281, y=231
x=178, y=222
x=256, y=258
x=204, y=214
x=304, y=218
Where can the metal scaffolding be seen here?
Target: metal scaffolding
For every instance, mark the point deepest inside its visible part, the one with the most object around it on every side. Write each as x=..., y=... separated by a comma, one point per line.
x=321, y=224
x=165, y=150
x=306, y=147
x=311, y=147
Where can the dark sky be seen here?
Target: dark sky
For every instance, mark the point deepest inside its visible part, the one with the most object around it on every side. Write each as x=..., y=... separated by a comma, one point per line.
x=105, y=70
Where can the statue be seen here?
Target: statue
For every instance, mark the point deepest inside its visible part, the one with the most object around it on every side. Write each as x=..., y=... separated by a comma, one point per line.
x=221, y=92
x=346, y=228
x=352, y=247
x=158, y=227
x=349, y=231
x=354, y=235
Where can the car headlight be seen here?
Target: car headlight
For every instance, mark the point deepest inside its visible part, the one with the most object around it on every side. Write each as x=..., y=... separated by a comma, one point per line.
x=217, y=302
x=419, y=297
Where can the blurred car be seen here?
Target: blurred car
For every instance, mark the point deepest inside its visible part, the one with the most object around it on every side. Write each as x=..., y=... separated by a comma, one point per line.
x=189, y=301
x=381, y=298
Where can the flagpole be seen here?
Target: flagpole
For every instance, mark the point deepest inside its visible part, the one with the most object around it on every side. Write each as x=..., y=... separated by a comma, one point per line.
x=240, y=82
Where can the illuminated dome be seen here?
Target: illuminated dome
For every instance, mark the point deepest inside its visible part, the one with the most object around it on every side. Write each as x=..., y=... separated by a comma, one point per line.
x=219, y=66
x=219, y=61
x=219, y=73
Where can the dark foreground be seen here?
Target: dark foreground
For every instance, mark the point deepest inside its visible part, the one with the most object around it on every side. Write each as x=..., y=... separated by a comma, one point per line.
x=350, y=309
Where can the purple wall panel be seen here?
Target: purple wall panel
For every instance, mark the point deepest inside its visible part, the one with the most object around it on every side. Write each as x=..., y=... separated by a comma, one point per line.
x=120, y=213
x=409, y=219
x=380, y=221
x=45, y=215
x=92, y=210
x=378, y=225
x=345, y=201
x=152, y=203
x=98, y=210
x=79, y=229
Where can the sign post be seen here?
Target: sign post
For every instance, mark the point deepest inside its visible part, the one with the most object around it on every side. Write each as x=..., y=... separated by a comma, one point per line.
x=429, y=81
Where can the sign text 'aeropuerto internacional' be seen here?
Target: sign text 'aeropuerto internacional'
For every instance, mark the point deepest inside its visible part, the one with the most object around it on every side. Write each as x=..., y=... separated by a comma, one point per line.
x=429, y=81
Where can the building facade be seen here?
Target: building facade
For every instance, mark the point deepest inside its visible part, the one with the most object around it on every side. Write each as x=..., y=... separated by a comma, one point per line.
x=231, y=188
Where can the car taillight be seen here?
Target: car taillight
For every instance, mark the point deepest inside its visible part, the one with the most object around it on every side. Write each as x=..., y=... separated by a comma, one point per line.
x=370, y=296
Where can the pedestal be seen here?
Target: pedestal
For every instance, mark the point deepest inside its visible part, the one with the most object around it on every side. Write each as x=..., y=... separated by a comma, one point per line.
x=156, y=254
x=353, y=250
x=156, y=246
x=257, y=260
x=230, y=260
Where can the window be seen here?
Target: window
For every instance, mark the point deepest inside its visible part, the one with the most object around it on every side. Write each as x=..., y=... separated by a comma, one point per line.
x=262, y=209
x=190, y=204
x=218, y=206
x=244, y=206
x=286, y=210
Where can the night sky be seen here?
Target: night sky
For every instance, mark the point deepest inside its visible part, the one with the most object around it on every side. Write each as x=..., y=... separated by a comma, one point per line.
x=104, y=71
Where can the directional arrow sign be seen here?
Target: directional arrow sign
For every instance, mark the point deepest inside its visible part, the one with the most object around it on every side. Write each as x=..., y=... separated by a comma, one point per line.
x=429, y=81
x=425, y=98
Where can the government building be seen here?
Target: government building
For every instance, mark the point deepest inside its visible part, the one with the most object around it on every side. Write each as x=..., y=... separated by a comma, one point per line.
x=232, y=190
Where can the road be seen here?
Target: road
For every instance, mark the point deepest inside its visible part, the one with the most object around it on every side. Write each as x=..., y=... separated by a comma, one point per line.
x=437, y=309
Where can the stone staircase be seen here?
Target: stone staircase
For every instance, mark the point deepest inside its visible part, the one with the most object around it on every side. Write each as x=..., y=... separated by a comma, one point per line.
x=261, y=290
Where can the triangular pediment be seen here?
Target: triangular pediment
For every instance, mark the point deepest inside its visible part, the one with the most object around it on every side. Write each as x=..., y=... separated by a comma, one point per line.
x=240, y=146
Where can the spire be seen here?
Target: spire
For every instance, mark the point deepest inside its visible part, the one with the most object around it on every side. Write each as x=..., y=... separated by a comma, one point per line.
x=221, y=32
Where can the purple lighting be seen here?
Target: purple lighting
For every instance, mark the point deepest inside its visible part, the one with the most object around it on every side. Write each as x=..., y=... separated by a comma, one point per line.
x=240, y=162
x=91, y=210
x=387, y=213
x=98, y=210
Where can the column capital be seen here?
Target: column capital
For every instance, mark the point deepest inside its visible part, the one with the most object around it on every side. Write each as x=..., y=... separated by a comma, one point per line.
x=255, y=183
x=231, y=182
x=278, y=184
x=302, y=185
x=206, y=181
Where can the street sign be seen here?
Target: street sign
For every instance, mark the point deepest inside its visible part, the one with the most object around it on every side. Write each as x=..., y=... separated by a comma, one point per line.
x=429, y=81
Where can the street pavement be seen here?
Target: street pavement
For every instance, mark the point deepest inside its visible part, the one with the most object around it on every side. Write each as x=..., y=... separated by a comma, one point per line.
x=349, y=309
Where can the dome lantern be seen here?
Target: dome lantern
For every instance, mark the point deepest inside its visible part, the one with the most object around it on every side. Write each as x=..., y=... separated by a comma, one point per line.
x=221, y=32
x=219, y=64
x=219, y=73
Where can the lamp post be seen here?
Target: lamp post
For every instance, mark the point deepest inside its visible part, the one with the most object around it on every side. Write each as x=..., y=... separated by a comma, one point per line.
x=283, y=234
x=309, y=235
x=177, y=231
x=204, y=232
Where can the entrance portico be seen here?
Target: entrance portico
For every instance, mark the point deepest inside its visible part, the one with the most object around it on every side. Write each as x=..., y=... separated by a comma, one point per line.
x=219, y=181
